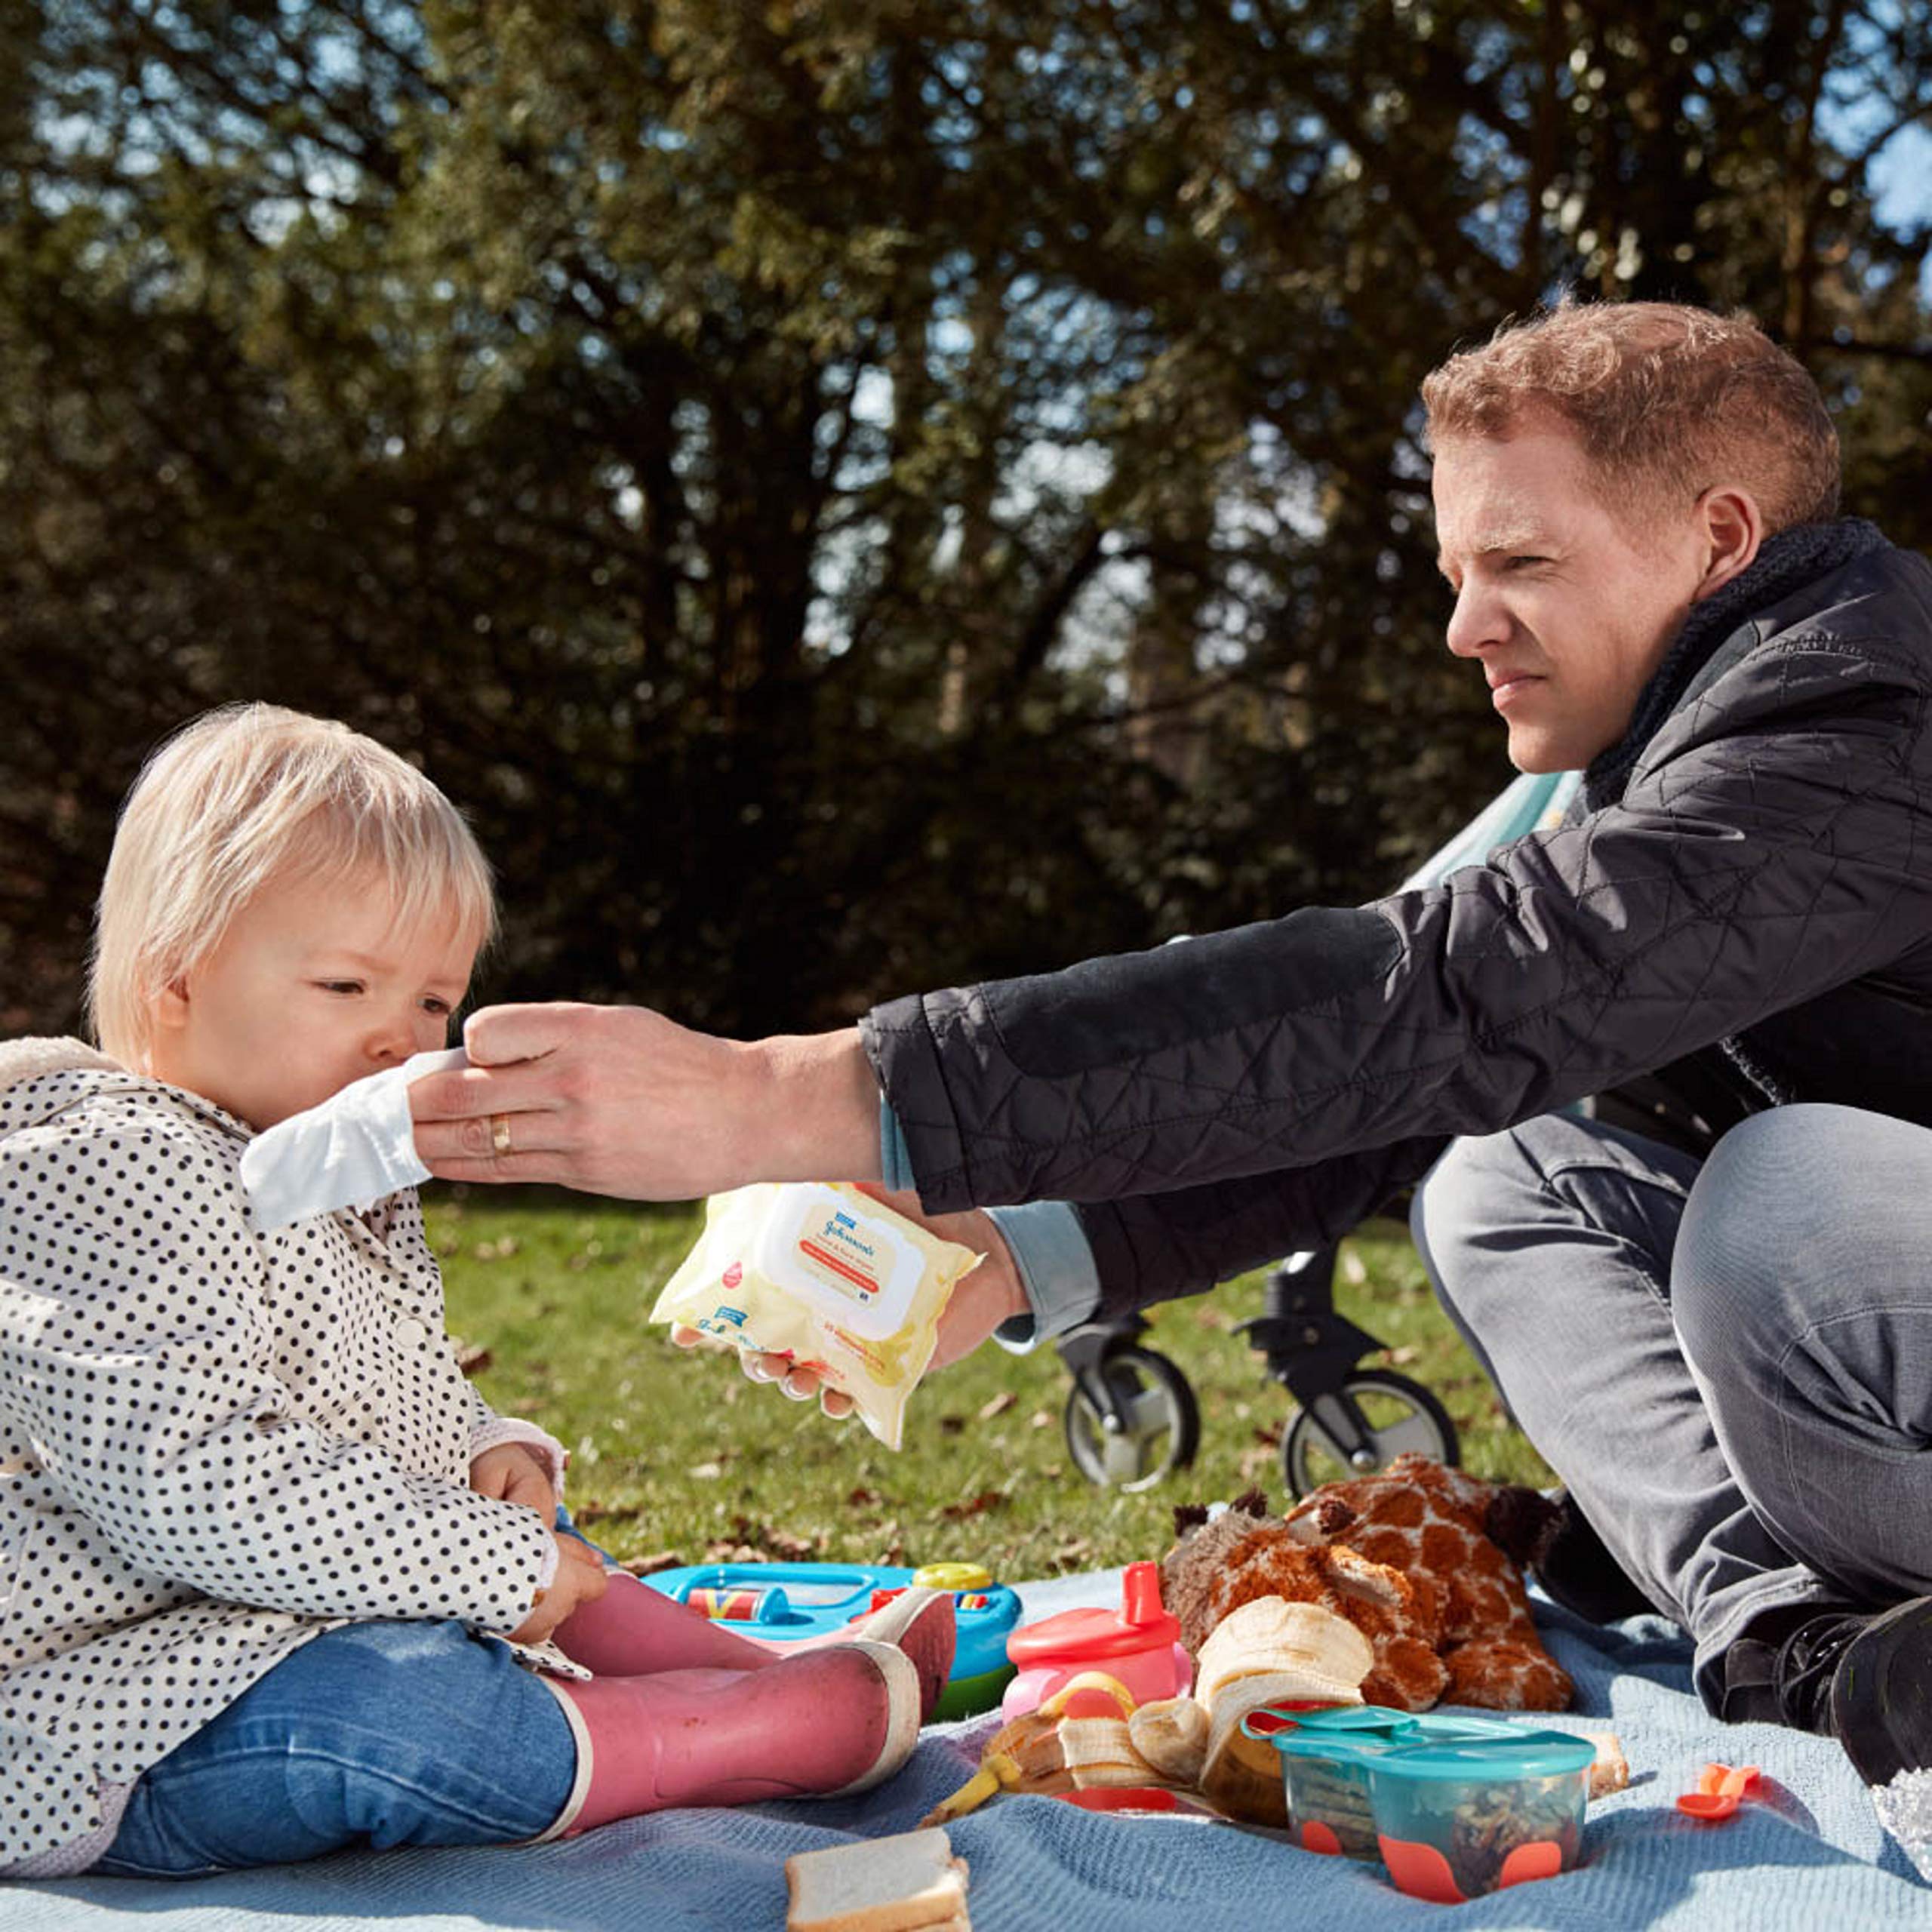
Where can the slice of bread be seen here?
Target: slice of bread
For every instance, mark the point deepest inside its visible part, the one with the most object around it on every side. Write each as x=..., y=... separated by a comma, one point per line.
x=908, y=1883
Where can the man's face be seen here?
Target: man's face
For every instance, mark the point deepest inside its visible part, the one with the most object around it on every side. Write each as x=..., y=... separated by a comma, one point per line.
x=1568, y=611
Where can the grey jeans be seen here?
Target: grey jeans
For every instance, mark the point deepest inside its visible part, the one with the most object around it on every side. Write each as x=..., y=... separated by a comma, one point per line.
x=1729, y=1366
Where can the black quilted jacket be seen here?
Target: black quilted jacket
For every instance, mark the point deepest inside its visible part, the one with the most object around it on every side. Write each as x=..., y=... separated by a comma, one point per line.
x=1749, y=920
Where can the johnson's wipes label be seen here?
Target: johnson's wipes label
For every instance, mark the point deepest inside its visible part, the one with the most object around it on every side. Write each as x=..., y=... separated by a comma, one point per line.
x=849, y=1264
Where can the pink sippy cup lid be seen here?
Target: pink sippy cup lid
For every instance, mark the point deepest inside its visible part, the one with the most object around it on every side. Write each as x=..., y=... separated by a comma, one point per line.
x=1139, y=1624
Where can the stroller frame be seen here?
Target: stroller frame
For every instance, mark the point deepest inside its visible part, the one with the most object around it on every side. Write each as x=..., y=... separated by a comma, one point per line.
x=1131, y=1417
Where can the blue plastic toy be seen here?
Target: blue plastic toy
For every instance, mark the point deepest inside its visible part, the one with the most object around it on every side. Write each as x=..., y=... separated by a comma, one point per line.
x=774, y=1602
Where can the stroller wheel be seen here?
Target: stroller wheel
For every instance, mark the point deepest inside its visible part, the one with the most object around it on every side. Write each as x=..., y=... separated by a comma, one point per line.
x=1162, y=1424
x=1390, y=1414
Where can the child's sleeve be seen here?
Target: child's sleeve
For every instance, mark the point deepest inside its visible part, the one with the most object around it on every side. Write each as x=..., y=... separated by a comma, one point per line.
x=487, y=1428
x=136, y=1357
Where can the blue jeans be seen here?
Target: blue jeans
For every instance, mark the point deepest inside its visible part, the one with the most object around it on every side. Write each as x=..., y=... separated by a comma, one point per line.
x=375, y=1735
x=1730, y=1366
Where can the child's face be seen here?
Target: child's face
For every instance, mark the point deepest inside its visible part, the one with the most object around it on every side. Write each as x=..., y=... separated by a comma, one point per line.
x=313, y=986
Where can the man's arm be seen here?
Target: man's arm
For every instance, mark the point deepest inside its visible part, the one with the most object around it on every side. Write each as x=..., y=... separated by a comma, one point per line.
x=1770, y=849
x=620, y=1100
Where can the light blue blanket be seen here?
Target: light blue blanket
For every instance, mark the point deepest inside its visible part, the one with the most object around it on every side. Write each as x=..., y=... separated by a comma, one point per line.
x=1809, y=1853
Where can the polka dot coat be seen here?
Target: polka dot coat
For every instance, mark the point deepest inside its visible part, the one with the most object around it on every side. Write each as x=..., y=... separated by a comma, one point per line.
x=214, y=1444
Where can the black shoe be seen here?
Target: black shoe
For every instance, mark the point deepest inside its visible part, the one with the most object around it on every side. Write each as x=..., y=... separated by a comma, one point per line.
x=1577, y=1570
x=1780, y=1671
x=1880, y=1693
x=1863, y=1678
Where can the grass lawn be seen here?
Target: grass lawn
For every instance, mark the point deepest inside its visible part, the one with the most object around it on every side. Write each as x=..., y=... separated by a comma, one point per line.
x=676, y=1457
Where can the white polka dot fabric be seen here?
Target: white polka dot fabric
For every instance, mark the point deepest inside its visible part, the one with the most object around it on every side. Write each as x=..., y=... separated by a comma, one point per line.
x=214, y=1445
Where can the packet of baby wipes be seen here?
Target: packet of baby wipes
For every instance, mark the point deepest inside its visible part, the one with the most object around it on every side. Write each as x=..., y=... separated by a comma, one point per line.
x=845, y=1285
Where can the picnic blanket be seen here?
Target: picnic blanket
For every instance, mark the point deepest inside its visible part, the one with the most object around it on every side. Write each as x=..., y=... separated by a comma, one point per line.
x=1808, y=1852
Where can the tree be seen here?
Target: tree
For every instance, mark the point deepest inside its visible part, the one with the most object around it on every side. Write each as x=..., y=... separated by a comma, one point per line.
x=850, y=493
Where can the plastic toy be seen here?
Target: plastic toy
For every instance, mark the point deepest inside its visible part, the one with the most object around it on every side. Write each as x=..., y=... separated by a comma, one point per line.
x=1139, y=1644
x=777, y=1602
x=1720, y=1789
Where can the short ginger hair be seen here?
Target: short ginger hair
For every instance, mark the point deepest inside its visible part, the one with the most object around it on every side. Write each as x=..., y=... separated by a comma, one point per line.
x=1665, y=400
x=249, y=794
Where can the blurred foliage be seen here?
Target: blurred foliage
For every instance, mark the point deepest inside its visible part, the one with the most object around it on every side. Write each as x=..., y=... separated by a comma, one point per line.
x=851, y=494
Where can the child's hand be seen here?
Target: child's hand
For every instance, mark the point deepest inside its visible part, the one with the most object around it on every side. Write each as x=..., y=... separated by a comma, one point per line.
x=515, y=1472
x=581, y=1578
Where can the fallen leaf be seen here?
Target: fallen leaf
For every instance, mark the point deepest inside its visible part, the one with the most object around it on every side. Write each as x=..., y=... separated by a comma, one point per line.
x=998, y=1405
x=763, y=1540
x=952, y=1424
x=649, y=1566
x=706, y=1472
x=987, y=1499
x=473, y=1359
x=855, y=1498
x=1040, y=1419
x=1407, y=1352
x=1353, y=1271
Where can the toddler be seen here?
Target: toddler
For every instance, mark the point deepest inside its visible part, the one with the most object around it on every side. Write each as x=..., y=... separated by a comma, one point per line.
x=274, y=1581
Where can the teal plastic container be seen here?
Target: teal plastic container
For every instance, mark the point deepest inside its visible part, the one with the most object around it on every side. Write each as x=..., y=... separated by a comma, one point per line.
x=1325, y=1755
x=1324, y=1773
x=1456, y=1818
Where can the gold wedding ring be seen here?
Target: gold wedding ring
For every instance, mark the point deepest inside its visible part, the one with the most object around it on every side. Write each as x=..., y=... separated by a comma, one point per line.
x=499, y=1134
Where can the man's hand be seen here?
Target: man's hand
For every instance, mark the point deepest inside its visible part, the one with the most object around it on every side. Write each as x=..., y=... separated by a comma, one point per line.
x=515, y=1472
x=989, y=1295
x=619, y=1100
x=581, y=1578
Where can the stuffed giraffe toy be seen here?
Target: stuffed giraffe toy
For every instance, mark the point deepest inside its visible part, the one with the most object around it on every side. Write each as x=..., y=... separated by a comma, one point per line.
x=1423, y=1561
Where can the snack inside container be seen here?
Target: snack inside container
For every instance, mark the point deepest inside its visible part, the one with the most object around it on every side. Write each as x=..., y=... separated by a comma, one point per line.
x=1458, y=1817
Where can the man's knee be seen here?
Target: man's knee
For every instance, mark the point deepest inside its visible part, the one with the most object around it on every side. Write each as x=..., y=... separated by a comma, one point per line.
x=1793, y=1213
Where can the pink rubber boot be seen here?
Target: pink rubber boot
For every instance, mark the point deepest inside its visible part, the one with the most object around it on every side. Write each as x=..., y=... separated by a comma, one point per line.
x=633, y=1631
x=922, y=1623
x=818, y=1725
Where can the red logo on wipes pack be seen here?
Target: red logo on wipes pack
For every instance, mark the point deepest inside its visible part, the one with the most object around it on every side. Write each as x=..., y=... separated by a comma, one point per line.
x=734, y=1275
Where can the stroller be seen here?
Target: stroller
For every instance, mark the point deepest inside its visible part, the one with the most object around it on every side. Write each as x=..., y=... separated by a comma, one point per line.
x=1131, y=1417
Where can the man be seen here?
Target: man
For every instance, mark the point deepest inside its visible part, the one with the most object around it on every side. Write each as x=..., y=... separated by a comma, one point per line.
x=1727, y=1359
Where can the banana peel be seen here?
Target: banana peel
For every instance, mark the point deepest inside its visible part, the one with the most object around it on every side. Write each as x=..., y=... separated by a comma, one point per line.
x=1091, y=1734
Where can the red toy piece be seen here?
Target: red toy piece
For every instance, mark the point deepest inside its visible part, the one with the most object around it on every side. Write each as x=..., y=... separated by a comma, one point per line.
x=1720, y=1789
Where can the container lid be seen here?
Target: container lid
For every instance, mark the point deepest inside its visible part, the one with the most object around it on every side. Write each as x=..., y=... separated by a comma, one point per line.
x=1356, y=1717
x=1444, y=1727
x=1338, y=1747
x=1525, y=1754
x=1139, y=1624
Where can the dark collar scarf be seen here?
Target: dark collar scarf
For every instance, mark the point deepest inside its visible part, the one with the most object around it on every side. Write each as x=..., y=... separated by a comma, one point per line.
x=1785, y=563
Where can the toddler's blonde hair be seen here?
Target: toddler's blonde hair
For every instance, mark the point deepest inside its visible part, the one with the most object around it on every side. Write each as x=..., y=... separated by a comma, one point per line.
x=249, y=794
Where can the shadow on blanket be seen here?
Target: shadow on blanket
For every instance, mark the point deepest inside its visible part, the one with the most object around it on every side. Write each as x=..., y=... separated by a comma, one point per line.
x=1812, y=1854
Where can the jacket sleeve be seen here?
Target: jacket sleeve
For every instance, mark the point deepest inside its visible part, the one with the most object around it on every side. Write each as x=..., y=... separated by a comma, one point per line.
x=1151, y=1247
x=1769, y=846
x=137, y=1356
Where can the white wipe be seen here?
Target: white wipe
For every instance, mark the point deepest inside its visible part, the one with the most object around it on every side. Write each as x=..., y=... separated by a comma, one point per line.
x=356, y=1147
x=1905, y=1809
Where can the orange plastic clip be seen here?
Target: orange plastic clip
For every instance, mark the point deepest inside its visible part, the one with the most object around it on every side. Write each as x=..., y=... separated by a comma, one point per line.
x=1719, y=1790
